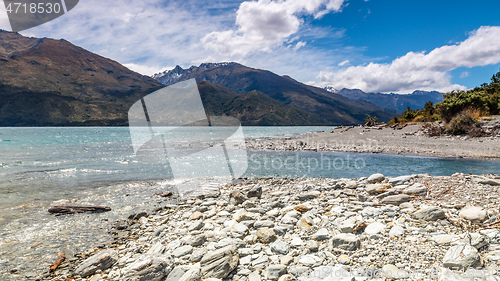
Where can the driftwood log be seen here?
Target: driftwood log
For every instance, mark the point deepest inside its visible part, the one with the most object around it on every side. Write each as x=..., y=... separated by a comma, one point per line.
x=60, y=258
x=78, y=209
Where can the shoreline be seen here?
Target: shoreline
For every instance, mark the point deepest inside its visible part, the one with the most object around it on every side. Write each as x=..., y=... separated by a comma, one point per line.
x=408, y=141
x=294, y=229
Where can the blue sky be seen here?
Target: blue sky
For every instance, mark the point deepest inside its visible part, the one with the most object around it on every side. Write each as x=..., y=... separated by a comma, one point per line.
x=376, y=45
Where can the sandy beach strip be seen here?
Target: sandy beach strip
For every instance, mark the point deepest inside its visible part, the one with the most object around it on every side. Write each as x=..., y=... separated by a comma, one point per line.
x=408, y=140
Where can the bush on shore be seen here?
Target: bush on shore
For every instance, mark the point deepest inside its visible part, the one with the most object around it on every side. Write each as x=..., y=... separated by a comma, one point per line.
x=460, y=110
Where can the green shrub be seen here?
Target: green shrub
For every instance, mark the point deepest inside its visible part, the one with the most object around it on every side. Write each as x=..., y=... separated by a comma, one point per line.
x=409, y=114
x=461, y=124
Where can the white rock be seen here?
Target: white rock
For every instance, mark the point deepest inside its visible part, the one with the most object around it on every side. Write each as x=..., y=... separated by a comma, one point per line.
x=392, y=272
x=376, y=178
x=399, y=180
x=147, y=268
x=346, y=241
x=444, y=239
x=396, y=231
x=416, y=188
x=254, y=276
x=474, y=214
x=100, y=261
x=273, y=272
x=296, y=241
x=348, y=225
x=280, y=247
x=310, y=260
x=375, y=228
x=461, y=256
x=219, y=263
x=484, y=180
x=322, y=234
x=429, y=213
x=182, y=251
x=239, y=230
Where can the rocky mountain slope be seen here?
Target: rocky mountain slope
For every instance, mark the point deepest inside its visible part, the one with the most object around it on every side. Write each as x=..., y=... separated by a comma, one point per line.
x=47, y=82
x=254, y=108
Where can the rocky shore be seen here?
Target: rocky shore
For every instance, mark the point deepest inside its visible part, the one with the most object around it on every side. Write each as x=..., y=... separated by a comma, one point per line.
x=407, y=140
x=414, y=227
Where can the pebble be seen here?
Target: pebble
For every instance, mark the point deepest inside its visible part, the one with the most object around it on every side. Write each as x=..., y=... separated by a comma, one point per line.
x=312, y=245
x=461, y=257
x=474, y=214
x=182, y=251
x=376, y=178
x=392, y=272
x=266, y=235
x=346, y=241
x=322, y=234
x=415, y=189
x=396, y=231
x=273, y=272
x=377, y=188
x=429, y=213
x=219, y=263
x=310, y=260
x=280, y=247
x=375, y=228
x=399, y=180
x=100, y=261
x=396, y=199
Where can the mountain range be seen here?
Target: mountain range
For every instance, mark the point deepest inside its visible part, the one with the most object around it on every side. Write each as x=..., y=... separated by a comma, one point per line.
x=400, y=102
x=47, y=82
x=334, y=108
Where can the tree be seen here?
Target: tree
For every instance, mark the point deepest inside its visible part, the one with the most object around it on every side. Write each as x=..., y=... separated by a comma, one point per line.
x=429, y=108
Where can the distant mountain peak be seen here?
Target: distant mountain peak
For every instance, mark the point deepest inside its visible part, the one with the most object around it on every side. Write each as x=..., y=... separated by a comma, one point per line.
x=169, y=77
x=331, y=89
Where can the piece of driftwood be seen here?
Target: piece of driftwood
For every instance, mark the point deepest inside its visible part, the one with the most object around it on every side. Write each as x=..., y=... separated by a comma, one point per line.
x=78, y=209
x=164, y=194
x=60, y=258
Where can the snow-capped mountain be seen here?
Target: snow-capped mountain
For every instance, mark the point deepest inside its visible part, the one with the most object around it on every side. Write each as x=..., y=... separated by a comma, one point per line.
x=331, y=89
x=169, y=77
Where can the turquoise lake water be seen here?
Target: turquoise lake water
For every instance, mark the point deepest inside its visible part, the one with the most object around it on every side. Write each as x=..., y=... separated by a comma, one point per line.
x=42, y=167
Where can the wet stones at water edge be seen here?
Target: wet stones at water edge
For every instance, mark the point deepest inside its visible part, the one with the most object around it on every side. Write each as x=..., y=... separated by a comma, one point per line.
x=309, y=229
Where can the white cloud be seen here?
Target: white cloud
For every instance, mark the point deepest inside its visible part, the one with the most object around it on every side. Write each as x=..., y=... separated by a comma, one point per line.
x=145, y=69
x=420, y=70
x=265, y=24
x=147, y=34
x=140, y=33
x=299, y=45
x=464, y=74
x=342, y=63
